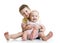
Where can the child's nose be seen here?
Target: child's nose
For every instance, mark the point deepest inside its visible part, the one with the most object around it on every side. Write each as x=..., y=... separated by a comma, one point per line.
x=26, y=13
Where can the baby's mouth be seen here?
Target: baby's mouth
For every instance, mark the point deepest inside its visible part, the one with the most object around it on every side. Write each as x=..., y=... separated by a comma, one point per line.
x=34, y=19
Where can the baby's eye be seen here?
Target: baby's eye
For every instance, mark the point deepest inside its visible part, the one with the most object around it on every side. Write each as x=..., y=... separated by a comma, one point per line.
x=36, y=16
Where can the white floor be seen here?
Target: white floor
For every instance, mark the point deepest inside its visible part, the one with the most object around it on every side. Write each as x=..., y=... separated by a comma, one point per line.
x=29, y=41
x=54, y=39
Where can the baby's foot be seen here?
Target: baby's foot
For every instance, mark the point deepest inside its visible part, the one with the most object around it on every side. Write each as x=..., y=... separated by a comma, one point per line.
x=6, y=34
x=50, y=35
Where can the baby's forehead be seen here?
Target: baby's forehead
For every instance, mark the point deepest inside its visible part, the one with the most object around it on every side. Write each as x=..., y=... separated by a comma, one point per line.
x=34, y=12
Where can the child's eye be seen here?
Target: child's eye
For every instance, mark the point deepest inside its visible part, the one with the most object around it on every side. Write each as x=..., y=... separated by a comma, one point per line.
x=32, y=15
x=26, y=10
x=23, y=13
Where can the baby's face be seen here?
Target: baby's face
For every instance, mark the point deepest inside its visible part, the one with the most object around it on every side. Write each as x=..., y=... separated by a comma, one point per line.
x=25, y=12
x=34, y=16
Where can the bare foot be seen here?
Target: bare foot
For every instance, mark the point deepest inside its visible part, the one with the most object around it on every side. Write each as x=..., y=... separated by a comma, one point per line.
x=6, y=34
x=48, y=36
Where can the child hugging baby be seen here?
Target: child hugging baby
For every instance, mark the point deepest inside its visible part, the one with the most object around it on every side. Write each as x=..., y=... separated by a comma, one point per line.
x=31, y=29
x=36, y=29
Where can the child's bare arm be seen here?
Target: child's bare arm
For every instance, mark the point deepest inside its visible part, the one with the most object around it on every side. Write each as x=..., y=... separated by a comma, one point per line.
x=28, y=26
x=25, y=26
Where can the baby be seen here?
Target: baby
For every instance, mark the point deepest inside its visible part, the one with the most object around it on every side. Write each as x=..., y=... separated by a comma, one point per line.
x=34, y=26
x=33, y=33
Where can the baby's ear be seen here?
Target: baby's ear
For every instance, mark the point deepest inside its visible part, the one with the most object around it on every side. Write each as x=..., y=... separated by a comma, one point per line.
x=38, y=17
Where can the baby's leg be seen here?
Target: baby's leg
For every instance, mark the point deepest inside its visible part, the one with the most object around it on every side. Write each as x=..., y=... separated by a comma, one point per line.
x=34, y=33
x=24, y=37
x=45, y=38
x=13, y=36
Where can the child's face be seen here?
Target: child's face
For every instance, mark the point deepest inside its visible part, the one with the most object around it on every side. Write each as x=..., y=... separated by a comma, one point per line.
x=34, y=16
x=25, y=12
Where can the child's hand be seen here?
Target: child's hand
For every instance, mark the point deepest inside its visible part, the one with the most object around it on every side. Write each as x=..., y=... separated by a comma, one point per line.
x=28, y=27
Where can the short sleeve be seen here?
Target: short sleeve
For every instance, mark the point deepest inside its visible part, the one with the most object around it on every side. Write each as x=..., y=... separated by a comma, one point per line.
x=24, y=20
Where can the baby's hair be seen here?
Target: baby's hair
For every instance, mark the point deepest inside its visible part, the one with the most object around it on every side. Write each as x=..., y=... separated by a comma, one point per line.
x=22, y=7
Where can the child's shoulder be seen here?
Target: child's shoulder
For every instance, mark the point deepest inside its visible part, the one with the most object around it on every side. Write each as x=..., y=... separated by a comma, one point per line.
x=24, y=20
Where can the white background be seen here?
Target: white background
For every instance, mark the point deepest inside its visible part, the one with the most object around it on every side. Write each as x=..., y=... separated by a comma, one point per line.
x=10, y=18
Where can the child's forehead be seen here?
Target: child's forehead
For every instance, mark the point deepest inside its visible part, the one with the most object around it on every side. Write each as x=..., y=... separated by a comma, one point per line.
x=24, y=9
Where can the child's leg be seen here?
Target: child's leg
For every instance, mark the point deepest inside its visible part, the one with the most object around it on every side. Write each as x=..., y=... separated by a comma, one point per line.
x=45, y=38
x=24, y=37
x=13, y=36
x=6, y=34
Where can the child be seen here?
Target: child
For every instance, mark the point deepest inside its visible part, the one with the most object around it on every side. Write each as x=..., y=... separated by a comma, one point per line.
x=33, y=33
x=25, y=11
